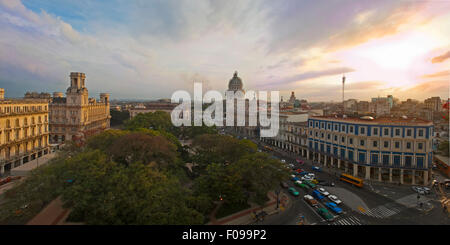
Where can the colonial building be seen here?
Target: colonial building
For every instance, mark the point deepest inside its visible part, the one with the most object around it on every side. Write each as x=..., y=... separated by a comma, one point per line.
x=24, y=133
x=395, y=150
x=77, y=116
x=152, y=107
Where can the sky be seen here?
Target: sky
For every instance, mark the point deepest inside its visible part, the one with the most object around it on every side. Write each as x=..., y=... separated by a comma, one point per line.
x=135, y=49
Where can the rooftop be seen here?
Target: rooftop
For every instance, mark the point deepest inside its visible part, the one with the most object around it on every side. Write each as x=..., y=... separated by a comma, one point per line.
x=379, y=120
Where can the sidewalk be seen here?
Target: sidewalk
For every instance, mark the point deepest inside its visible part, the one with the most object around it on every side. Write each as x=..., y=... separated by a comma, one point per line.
x=246, y=217
x=52, y=214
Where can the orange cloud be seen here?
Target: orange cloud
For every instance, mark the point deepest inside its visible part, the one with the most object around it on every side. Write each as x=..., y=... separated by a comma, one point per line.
x=437, y=74
x=441, y=58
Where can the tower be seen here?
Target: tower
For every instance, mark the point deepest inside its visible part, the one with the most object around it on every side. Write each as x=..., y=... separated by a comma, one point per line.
x=2, y=94
x=77, y=93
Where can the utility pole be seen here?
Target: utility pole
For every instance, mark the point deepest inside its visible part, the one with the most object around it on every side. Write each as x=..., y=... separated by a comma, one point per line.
x=343, y=106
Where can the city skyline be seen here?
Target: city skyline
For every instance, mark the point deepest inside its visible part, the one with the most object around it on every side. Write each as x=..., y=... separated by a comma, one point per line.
x=147, y=51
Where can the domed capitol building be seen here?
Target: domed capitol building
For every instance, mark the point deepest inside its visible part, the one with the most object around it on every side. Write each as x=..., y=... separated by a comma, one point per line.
x=235, y=83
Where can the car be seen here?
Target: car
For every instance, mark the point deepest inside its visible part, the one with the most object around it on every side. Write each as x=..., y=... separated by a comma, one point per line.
x=315, y=181
x=309, y=184
x=284, y=184
x=421, y=190
x=316, y=194
x=323, y=191
x=299, y=161
x=298, y=183
x=303, y=173
x=283, y=161
x=335, y=199
x=295, y=178
x=310, y=200
x=325, y=214
x=304, y=186
x=299, y=170
x=333, y=207
x=293, y=191
x=315, y=168
x=325, y=183
x=311, y=175
x=306, y=178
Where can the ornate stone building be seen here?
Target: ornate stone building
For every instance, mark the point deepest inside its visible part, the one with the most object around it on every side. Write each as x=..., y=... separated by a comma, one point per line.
x=24, y=133
x=77, y=116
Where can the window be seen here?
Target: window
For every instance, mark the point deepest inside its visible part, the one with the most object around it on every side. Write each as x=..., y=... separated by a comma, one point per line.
x=335, y=138
x=362, y=130
x=396, y=160
x=361, y=142
x=385, y=159
x=419, y=162
x=408, y=160
x=386, y=144
x=408, y=145
x=386, y=132
x=397, y=145
x=375, y=131
x=336, y=127
x=350, y=141
x=317, y=134
x=343, y=128
x=328, y=136
x=350, y=129
x=408, y=132
x=420, y=146
x=329, y=126
x=420, y=132
x=321, y=135
x=374, y=158
x=343, y=139
x=375, y=143
x=397, y=132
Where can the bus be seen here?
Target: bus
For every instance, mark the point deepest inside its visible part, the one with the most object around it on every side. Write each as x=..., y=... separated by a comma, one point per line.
x=351, y=179
x=268, y=148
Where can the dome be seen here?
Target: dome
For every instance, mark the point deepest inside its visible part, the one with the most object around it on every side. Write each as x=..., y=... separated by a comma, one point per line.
x=235, y=83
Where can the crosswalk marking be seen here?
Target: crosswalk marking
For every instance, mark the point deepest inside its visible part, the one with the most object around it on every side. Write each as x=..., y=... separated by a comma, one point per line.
x=382, y=211
x=351, y=220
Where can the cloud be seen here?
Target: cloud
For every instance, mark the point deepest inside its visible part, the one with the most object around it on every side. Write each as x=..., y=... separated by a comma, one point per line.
x=306, y=76
x=441, y=58
x=437, y=74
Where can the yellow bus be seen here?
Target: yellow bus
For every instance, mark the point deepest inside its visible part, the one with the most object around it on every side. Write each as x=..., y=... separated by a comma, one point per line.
x=351, y=179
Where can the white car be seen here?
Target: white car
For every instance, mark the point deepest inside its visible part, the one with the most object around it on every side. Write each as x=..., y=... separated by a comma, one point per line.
x=306, y=178
x=283, y=161
x=323, y=192
x=293, y=176
x=311, y=175
x=335, y=199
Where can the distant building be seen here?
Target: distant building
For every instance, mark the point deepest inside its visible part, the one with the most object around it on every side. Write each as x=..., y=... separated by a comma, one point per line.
x=152, y=107
x=24, y=134
x=433, y=104
x=76, y=116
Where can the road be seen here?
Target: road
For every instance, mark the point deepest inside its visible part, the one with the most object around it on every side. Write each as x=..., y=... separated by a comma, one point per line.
x=361, y=206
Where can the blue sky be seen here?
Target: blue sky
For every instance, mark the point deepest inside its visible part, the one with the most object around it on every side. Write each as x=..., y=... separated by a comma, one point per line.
x=149, y=49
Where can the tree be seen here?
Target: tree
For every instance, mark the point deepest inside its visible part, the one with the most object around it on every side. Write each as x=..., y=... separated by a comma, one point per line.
x=158, y=120
x=217, y=148
x=119, y=117
x=105, y=192
x=138, y=147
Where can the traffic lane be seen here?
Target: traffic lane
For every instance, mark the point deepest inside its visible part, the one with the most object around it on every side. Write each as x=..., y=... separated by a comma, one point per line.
x=313, y=216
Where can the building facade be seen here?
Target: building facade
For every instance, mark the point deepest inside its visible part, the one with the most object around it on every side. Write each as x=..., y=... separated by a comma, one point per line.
x=76, y=115
x=24, y=134
x=382, y=149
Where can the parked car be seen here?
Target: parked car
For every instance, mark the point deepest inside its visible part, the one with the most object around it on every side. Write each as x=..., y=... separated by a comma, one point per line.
x=295, y=178
x=299, y=170
x=283, y=161
x=316, y=194
x=315, y=181
x=333, y=207
x=293, y=191
x=323, y=191
x=284, y=184
x=309, y=184
x=325, y=214
x=315, y=168
x=300, y=161
x=335, y=199
x=421, y=190
x=303, y=173
x=310, y=200
x=302, y=185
